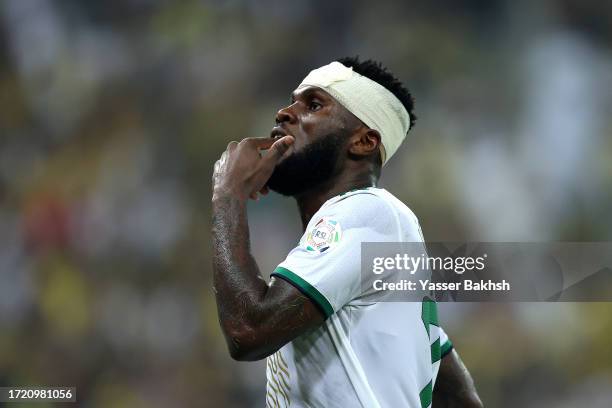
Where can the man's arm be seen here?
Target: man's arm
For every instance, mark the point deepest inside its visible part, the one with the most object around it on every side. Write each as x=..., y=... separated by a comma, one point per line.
x=256, y=319
x=454, y=386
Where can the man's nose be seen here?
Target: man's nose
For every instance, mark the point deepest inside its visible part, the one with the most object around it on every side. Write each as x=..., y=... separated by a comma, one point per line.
x=285, y=115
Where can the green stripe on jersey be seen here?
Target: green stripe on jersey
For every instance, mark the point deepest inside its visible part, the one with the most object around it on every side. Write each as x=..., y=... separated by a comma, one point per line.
x=446, y=348
x=429, y=313
x=436, y=353
x=306, y=288
x=426, y=395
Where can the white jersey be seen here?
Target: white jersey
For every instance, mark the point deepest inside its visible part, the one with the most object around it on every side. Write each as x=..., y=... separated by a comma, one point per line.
x=366, y=353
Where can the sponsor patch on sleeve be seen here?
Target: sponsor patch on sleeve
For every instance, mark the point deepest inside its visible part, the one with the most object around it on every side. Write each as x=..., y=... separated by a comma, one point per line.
x=323, y=236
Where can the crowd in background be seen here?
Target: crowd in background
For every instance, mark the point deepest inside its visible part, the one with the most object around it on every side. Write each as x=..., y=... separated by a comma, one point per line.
x=111, y=117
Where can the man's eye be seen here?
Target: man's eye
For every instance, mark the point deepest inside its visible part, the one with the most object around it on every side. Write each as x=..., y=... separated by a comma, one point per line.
x=313, y=106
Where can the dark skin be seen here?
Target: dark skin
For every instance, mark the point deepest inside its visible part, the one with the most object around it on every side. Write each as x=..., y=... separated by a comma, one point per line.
x=454, y=385
x=256, y=318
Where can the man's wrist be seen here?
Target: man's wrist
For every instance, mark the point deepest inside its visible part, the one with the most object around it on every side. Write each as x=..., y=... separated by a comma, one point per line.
x=221, y=194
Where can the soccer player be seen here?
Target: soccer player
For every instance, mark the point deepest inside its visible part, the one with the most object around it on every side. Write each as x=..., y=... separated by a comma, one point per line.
x=327, y=342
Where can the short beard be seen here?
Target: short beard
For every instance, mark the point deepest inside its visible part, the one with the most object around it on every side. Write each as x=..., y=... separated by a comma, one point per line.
x=309, y=168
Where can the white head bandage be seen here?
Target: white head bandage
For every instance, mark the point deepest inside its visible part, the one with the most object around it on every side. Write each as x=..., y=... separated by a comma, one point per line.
x=371, y=102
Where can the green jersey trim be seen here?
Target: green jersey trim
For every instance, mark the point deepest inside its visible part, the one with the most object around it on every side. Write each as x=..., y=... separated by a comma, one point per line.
x=426, y=395
x=306, y=288
x=446, y=348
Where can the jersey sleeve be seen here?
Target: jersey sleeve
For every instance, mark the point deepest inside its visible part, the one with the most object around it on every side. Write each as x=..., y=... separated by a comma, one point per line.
x=445, y=343
x=326, y=265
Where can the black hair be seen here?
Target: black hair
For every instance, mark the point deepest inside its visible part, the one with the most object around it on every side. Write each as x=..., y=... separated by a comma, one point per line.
x=375, y=71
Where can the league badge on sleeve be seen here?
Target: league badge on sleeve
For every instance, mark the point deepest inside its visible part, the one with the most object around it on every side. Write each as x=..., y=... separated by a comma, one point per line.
x=325, y=234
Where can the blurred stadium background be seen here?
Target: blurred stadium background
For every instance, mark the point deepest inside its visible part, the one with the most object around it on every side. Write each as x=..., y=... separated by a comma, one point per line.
x=112, y=114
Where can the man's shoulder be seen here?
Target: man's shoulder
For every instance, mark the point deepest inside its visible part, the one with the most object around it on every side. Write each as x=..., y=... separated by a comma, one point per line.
x=367, y=206
x=357, y=203
x=371, y=198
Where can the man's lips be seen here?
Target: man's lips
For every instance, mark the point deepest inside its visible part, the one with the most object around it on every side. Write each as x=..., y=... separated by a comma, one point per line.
x=278, y=132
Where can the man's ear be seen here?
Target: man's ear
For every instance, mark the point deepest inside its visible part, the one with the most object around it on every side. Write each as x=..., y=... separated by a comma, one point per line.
x=365, y=142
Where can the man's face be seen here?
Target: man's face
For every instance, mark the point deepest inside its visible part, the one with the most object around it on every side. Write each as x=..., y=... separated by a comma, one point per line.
x=320, y=126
